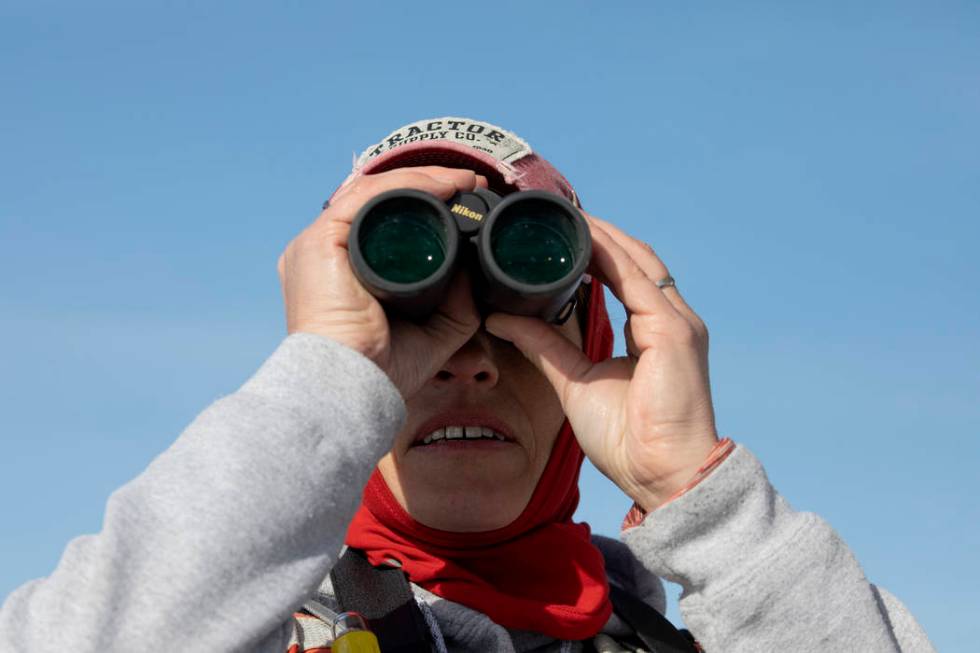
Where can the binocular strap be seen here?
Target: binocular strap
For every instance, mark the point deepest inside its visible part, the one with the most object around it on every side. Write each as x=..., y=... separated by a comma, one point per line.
x=382, y=596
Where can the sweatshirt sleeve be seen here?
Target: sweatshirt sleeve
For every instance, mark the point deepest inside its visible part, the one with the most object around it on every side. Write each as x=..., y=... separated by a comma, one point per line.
x=759, y=576
x=228, y=531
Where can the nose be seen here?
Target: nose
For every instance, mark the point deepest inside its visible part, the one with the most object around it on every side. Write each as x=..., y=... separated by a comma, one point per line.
x=472, y=364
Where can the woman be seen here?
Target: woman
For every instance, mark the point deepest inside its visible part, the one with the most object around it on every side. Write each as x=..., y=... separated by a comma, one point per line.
x=363, y=431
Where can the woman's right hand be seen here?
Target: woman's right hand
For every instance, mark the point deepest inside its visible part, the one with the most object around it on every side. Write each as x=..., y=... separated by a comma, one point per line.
x=322, y=295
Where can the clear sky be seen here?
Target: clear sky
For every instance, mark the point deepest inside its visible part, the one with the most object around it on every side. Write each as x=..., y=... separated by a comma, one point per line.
x=810, y=173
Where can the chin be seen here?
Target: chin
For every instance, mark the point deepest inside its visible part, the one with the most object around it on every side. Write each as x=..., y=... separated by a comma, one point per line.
x=448, y=471
x=462, y=489
x=467, y=516
x=472, y=507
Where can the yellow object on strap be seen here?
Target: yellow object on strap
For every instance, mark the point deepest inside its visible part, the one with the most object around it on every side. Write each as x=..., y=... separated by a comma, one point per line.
x=356, y=641
x=351, y=635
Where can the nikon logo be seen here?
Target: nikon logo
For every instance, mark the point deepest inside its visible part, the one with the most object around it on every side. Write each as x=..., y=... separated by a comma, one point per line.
x=459, y=209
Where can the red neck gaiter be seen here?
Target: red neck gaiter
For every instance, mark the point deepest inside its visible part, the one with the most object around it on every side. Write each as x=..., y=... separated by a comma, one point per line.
x=539, y=573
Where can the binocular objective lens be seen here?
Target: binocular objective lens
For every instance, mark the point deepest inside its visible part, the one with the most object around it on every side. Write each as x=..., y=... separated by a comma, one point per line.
x=403, y=241
x=533, y=242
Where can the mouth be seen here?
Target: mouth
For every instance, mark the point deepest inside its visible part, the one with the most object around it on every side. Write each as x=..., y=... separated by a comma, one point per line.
x=457, y=431
x=461, y=433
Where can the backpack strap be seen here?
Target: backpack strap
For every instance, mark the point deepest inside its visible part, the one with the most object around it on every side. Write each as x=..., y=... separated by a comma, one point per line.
x=383, y=597
x=653, y=629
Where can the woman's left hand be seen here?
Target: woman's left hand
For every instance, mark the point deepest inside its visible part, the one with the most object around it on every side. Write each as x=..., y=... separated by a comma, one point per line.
x=644, y=420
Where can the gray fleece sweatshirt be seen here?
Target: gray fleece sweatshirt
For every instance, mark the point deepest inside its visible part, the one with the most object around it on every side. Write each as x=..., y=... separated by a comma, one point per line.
x=235, y=526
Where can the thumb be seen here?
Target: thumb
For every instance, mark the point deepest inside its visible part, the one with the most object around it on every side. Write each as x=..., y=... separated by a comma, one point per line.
x=456, y=318
x=421, y=349
x=555, y=356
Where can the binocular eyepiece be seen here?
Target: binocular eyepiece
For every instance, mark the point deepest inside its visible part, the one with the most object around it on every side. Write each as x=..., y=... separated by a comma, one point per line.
x=526, y=252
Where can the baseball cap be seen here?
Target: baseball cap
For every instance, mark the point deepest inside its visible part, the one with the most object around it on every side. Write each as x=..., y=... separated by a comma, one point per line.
x=503, y=157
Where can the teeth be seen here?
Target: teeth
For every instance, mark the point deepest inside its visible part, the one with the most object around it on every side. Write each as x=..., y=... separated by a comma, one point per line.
x=461, y=432
x=490, y=433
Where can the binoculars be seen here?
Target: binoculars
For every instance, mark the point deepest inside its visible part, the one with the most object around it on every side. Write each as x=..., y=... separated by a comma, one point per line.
x=526, y=253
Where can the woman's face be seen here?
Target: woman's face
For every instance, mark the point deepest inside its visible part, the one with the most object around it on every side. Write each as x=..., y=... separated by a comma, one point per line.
x=477, y=437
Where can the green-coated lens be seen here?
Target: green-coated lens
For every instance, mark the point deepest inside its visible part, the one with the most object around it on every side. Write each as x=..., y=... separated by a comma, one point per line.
x=533, y=242
x=403, y=241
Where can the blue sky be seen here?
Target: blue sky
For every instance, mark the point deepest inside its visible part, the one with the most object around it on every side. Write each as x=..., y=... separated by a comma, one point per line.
x=810, y=173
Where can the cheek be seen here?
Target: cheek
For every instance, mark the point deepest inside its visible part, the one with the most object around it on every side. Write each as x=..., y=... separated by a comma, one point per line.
x=548, y=413
x=540, y=403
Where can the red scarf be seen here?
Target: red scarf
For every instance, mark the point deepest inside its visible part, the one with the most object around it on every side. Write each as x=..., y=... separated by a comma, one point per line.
x=539, y=573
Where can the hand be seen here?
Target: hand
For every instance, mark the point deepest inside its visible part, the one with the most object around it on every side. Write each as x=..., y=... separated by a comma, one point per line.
x=644, y=420
x=323, y=296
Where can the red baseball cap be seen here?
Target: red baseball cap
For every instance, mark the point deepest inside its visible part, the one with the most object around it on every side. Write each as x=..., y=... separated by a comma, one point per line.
x=504, y=158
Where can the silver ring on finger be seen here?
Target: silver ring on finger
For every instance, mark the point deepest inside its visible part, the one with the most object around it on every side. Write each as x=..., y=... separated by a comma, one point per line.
x=666, y=282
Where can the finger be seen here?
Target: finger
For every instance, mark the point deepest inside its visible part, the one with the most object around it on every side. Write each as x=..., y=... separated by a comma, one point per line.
x=555, y=356
x=462, y=178
x=442, y=186
x=615, y=268
x=457, y=176
x=456, y=319
x=651, y=264
x=641, y=252
x=424, y=349
x=631, y=349
x=281, y=268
